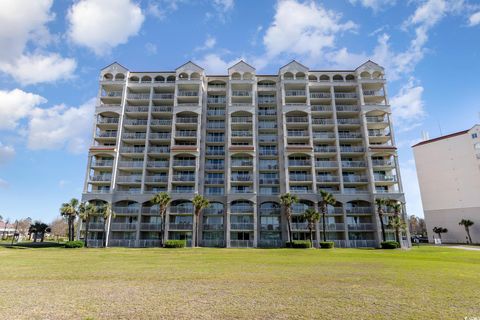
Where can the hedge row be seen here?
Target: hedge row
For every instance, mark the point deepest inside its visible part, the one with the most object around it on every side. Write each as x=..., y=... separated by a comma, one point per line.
x=175, y=244
x=390, y=245
x=74, y=244
x=299, y=244
x=326, y=244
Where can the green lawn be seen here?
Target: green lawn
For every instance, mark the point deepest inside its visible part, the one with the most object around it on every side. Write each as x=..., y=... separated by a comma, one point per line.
x=115, y=283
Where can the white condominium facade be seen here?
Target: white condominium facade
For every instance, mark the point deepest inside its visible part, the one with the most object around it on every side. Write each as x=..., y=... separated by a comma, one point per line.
x=448, y=170
x=241, y=140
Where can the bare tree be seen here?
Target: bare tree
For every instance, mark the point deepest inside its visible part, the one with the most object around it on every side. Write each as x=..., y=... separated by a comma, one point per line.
x=59, y=227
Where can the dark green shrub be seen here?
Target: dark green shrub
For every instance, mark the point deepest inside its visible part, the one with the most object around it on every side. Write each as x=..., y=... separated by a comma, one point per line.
x=390, y=245
x=38, y=244
x=299, y=244
x=74, y=244
x=326, y=244
x=175, y=244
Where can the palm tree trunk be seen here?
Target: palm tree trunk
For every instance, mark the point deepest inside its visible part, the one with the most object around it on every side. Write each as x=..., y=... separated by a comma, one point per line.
x=197, y=241
x=397, y=234
x=104, y=238
x=468, y=234
x=289, y=226
x=382, y=226
x=162, y=227
x=86, y=232
x=324, y=227
x=311, y=236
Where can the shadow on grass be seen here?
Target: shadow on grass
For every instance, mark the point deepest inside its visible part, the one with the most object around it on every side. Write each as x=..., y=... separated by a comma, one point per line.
x=34, y=245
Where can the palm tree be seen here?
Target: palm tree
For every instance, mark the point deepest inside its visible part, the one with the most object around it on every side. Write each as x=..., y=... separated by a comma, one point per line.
x=439, y=231
x=397, y=222
x=380, y=202
x=39, y=228
x=87, y=211
x=199, y=203
x=70, y=211
x=467, y=224
x=106, y=212
x=287, y=200
x=312, y=218
x=162, y=199
x=327, y=199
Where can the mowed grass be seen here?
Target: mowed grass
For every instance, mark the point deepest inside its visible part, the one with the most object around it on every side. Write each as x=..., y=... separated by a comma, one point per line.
x=117, y=283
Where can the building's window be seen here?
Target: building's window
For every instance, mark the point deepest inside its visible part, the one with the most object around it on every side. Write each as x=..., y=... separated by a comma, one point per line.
x=474, y=135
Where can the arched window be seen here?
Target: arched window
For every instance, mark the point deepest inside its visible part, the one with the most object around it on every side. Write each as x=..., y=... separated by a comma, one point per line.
x=108, y=76
x=300, y=76
x=312, y=78
x=159, y=79
x=324, y=78
x=365, y=75
x=236, y=76
x=337, y=78
x=119, y=77
x=350, y=77
x=247, y=76
x=288, y=76
x=146, y=79
x=171, y=79
x=195, y=76
x=134, y=79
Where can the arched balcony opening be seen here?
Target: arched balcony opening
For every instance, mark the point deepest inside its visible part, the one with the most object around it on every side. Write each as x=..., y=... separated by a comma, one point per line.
x=288, y=76
x=241, y=206
x=337, y=78
x=171, y=79
x=300, y=76
x=195, y=76
x=159, y=79
x=324, y=78
x=365, y=75
x=350, y=77
x=236, y=76
x=108, y=77
x=312, y=78
x=247, y=76
x=146, y=79
x=119, y=77
x=377, y=75
x=134, y=79
x=183, y=76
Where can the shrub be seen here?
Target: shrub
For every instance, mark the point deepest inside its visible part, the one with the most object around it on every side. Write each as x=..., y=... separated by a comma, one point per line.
x=74, y=244
x=175, y=244
x=37, y=244
x=326, y=244
x=390, y=245
x=299, y=244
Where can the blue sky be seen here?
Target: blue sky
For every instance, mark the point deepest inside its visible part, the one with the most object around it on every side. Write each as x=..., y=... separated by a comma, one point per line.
x=52, y=52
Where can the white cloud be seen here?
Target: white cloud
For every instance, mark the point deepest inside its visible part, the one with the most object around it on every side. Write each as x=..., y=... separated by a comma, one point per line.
x=16, y=105
x=60, y=126
x=224, y=5
x=208, y=44
x=27, y=24
x=214, y=64
x=408, y=106
x=7, y=153
x=151, y=48
x=3, y=184
x=161, y=8
x=103, y=24
x=375, y=5
x=23, y=21
x=474, y=19
x=33, y=69
x=303, y=29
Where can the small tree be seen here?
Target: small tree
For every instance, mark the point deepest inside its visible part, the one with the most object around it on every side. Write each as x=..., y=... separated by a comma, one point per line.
x=24, y=225
x=59, y=227
x=312, y=218
x=106, y=212
x=39, y=228
x=380, y=205
x=396, y=222
x=287, y=200
x=162, y=199
x=467, y=224
x=327, y=199
x=439, y=231
x=199, y=203
x=6, y=222
x=86, y=212
x=70, y=211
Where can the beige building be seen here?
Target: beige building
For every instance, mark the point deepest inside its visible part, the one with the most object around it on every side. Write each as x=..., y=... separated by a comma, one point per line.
x=242, y=139
x=448, y=170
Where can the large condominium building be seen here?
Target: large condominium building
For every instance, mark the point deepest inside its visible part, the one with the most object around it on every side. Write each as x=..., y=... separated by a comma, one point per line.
x=448, y=170
x=241, y=140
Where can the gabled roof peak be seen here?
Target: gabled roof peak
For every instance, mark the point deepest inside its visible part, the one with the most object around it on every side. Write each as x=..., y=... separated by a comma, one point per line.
x=241, y=63
x=294, y=63
x=370, y=64
x=189, y=62
x=115, y=63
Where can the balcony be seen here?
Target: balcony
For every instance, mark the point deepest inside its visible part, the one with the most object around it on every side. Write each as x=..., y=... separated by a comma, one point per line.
x=332, y=226
x=160, y=136
x=328, y=149
x=318, y=108
x=157, y=178
x=241, y=209
x=101, y=178
x=150, y=226
x=187, y=94
x=241, y=243
x=186, y=120
x=268, y=152
x=242, y=133
x=115, y=226
x=130, y=164
x=352, y=149
x=346, y=95
x=326, y=164
x=297, y=119
x=347, y=108
x=214, y=181
x=159, y=149
x=359, y=210
x=292, y=133
x=353, y=164
x=241, y=178
x=262, y=100
x=241, y=93
x=241, y=226
x=217, y=101
x=215, y=152
x=295, y=93
x=213, y=226
x=384, y=178
x=354, y=178
x=215, y=166
x=139, y=96
x=112, y=94
x=180, y=226
x=361, y=226
x=157, y=164
x=320, y=95
x=186, y=133
x=299, y=163
x=135, y=122
x=382, y=163
x=324, y=135
x=126, y=210
x=130, y=179
x=241, y=119
x=134, y=135
x=184, y=178
x=269, y=181
x=107, y=121
x=300, y=177
x=326, y=179
x=343, y=121
x=161, y=122
x=163, y=96
x=322, y=121
x=136, y=109
x=161, y=109
x=132, y=149
x=184, y=163
x=217, y=112
x=350, y=135
x=102, y=163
